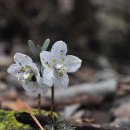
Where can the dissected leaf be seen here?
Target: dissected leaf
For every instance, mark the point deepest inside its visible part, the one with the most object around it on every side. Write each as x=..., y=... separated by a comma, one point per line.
x=45, y=45
x=62, y=124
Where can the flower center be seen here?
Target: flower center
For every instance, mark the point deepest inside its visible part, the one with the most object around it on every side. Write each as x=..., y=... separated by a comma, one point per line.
x=26, y=74
x=60, y=69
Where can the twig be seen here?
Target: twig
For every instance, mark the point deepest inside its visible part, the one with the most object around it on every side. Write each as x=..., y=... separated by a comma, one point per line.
x=34, y=118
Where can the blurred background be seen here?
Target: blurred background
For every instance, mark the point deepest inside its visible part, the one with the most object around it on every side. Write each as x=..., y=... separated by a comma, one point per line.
x=97, y=31
x=91, y=28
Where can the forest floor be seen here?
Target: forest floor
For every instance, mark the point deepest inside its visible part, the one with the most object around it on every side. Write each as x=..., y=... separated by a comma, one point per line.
x=95, y=99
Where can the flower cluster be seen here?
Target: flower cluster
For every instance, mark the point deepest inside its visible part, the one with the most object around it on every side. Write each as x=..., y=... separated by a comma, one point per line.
x=56, y=64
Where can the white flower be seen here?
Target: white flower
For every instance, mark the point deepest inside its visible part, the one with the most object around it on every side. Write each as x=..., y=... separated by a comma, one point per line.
x=57, y=64
x=28, y=74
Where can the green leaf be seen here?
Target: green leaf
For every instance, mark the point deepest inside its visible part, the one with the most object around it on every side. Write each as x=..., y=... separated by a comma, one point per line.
x=39, y=48
x=45, y=45
x=33, y=48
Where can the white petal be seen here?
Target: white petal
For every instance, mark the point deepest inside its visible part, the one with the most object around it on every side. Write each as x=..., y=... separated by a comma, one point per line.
x=59, y=49
x=72, y=63
x=61, y=81
x=48, y=76
x=46, y=81
x=34, y=88
x=13, y=69
x=22, y=59
x=45, y=57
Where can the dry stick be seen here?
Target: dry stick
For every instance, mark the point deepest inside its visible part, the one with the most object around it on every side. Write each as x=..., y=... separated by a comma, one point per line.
x=39, y=103
x=52, y=100
x=34, y=118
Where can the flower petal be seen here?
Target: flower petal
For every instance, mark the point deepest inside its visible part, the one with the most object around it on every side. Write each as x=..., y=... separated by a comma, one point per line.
x=72, y=63
x=45, y=81
x=45, y=57
x=48, y=76
x=22, y=59
x=34, y=88
x=13, y=69
x=61, y=81
x=59, y=49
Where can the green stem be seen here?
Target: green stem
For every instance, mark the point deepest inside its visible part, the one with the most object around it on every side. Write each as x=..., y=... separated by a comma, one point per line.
x=52, y=100
x=39, y=103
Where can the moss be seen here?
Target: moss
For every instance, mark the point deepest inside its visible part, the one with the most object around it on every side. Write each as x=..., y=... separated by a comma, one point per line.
x=8, y=121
